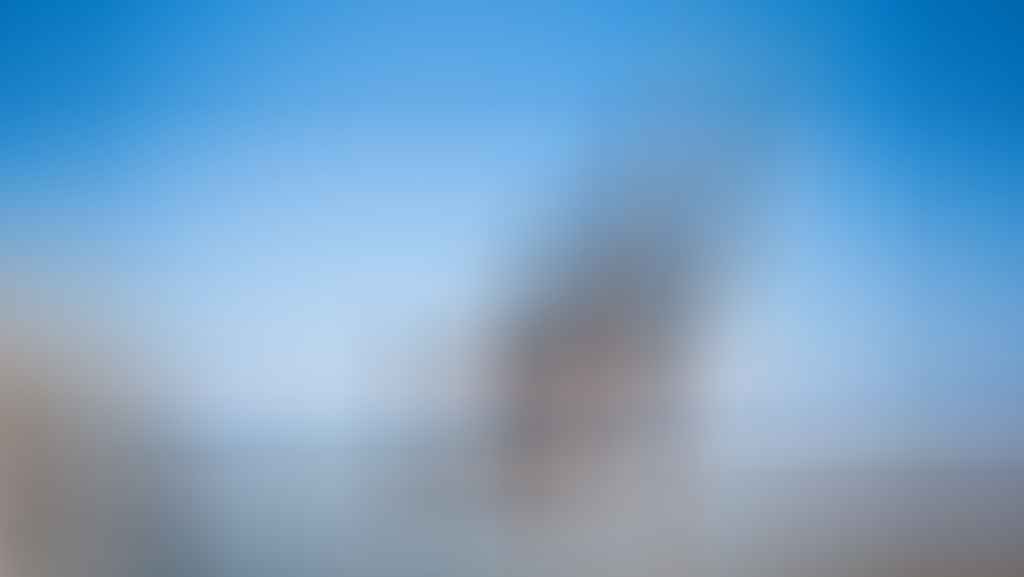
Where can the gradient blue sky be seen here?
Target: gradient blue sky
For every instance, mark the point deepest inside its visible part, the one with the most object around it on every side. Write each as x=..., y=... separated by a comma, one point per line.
x=248, y=177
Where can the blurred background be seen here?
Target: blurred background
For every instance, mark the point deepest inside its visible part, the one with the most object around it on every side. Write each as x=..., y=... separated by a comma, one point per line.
x=254, y=258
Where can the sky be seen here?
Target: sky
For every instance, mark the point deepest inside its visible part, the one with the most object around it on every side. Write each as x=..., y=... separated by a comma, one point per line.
x=272, y=193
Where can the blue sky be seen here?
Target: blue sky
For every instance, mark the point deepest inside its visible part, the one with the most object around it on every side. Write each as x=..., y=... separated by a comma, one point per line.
x=232, y=170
